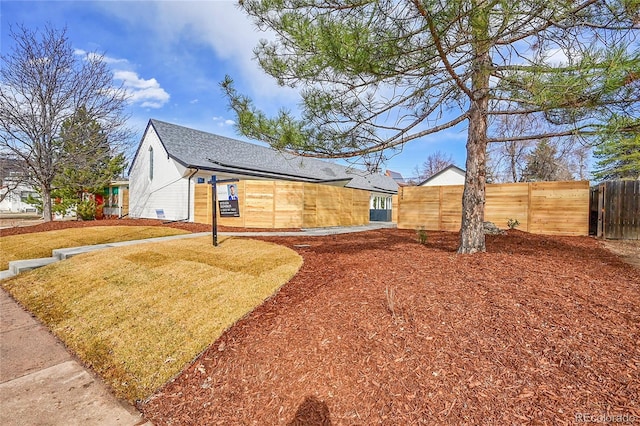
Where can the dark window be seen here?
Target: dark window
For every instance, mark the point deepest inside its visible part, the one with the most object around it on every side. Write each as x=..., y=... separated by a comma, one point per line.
x=150, y=163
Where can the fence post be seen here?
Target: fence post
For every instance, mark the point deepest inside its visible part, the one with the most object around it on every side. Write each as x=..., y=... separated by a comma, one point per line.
x=529, y=209
x=601, y=197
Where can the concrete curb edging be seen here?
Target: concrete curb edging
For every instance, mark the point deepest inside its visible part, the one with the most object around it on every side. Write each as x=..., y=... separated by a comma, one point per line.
x=18, y=266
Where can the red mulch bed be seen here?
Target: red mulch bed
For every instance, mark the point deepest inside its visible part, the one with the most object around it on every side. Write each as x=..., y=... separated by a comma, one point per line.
x=378, y=329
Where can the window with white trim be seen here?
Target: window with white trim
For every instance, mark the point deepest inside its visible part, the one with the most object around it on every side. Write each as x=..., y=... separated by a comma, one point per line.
x=150, y=163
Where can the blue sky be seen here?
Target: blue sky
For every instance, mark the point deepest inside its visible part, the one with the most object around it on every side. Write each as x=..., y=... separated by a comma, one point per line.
x=172, y=55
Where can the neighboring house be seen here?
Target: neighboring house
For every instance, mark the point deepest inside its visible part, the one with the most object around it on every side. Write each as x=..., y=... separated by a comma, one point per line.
x=171, y=159
x=450, y=175
x=15, y=200
x=116, y=199
x=13, y=187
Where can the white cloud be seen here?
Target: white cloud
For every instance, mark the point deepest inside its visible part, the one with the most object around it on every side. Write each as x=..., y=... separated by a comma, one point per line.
x=110, y=60
x=104, y=58
x=146, y=93
x=223, y=122
x=232, y=36
x=221, y=26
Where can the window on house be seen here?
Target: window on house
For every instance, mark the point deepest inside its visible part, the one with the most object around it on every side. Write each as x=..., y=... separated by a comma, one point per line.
x=150, y=163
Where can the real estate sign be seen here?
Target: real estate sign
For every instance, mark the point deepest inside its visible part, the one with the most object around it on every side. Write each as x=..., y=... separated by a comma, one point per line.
x=228, y=200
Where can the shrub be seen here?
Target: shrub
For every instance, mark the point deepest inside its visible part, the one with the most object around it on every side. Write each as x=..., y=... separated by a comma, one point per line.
x=422, y=235
x=86, y=210
x=513, y=223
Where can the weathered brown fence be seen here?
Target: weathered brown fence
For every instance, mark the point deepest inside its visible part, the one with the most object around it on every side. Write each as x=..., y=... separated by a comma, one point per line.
x=615, y=210
x=557, y=208
x=281, y=204
x=125, y=202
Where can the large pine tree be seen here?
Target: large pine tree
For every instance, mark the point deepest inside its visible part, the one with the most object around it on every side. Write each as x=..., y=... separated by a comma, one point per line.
x=618, y=153
x=87, y=162
x=376, y=74
x=544, y=164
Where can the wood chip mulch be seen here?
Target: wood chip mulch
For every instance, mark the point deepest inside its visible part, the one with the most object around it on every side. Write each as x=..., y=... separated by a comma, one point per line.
x=378, y=329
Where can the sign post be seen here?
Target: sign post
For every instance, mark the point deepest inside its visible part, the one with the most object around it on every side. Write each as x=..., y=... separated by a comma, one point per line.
x=214, y=208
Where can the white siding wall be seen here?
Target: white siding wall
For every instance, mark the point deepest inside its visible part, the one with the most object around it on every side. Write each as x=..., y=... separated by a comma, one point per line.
x=449, y=177
x=167, y=191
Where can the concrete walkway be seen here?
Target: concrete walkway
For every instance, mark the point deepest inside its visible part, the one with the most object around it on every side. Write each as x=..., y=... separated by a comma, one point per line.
x=41, y=383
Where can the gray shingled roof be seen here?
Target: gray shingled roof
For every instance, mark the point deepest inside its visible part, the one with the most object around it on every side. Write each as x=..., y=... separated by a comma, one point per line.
x=207, y=151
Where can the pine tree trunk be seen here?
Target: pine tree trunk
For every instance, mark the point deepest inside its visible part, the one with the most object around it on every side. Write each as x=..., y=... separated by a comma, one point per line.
x=473, y=198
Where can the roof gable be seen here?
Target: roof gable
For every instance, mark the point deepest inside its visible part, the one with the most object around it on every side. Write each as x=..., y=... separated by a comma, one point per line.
x=451, y=168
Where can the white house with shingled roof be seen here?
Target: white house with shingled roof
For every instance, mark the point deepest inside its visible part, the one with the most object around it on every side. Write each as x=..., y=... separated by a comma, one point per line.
x=172, y=159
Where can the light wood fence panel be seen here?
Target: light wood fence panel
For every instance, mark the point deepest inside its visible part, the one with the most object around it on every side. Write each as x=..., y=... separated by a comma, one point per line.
x=557, y=208
x=309, y=207
x=125, y=202
x=419, y=206
x=450, y=207
x=259, y=202
x=507, y=201
x=328, y=205
x=394, y=211
x=289, y=196
x=360, y=207
x=281, y=204
x=202, y=203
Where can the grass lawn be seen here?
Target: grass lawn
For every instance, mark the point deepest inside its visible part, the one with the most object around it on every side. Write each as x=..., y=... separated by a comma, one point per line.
x=36, y=245
x=137, y=315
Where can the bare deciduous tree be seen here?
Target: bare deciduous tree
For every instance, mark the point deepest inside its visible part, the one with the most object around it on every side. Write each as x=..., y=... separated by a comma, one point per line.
x=508, y=160
x=435, y=162
x=42, y=84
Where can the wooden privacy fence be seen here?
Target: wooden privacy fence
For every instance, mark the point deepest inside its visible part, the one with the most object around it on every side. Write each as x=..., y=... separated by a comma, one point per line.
x=282, y=204
x=615, y=210
x=556, y=208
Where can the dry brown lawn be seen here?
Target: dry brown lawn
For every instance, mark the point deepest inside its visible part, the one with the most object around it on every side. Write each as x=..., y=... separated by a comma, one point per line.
x=37, y=245
x=139, y=314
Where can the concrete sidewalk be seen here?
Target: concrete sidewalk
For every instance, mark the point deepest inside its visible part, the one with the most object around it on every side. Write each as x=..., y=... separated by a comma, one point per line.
x=41, y=383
